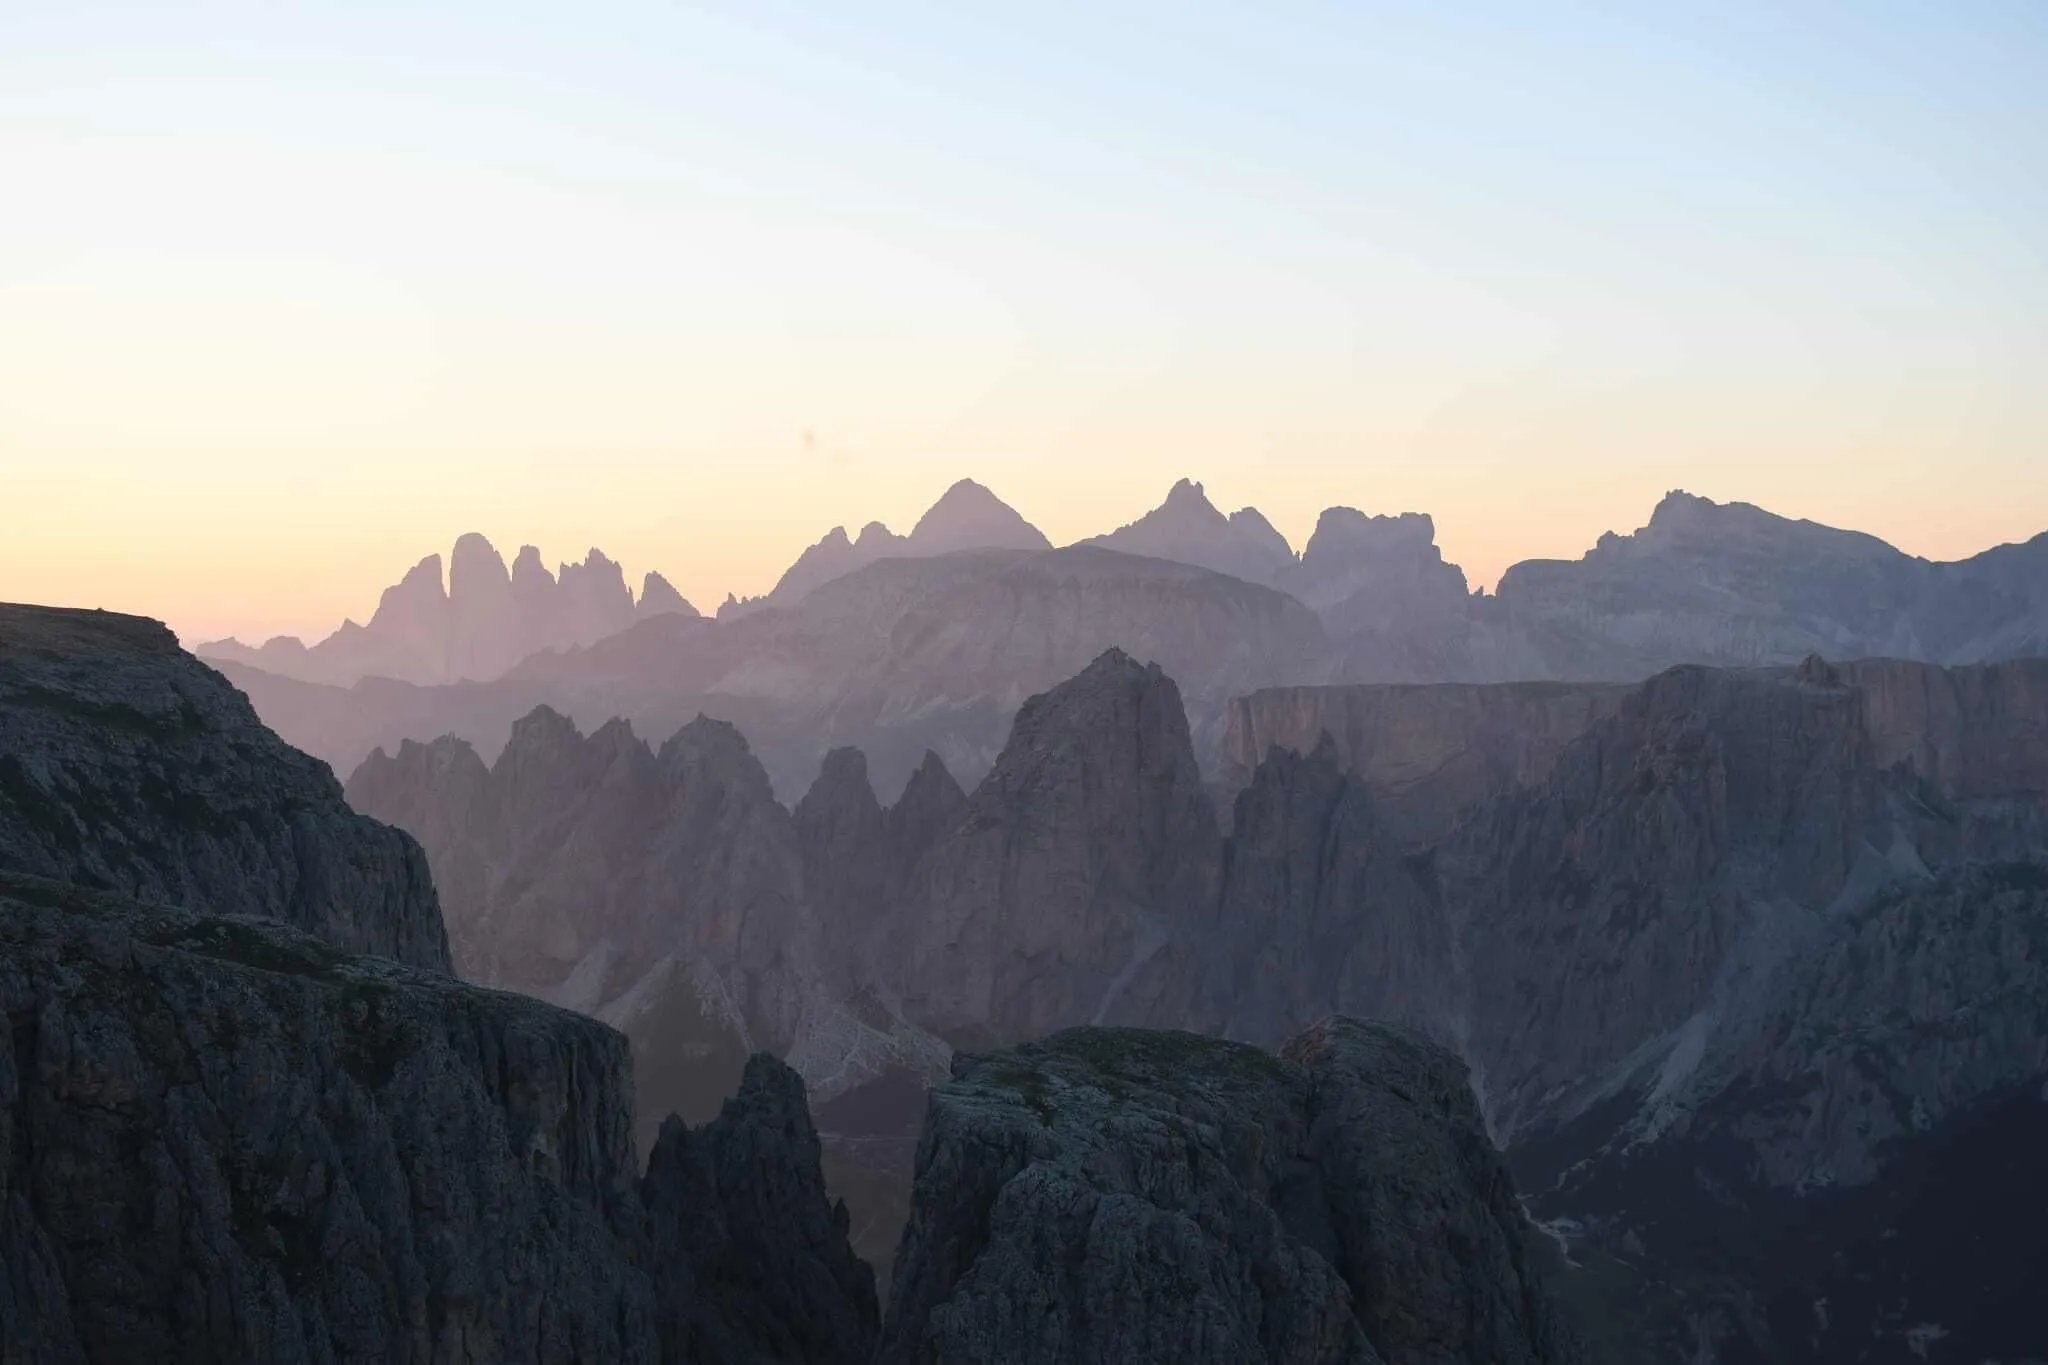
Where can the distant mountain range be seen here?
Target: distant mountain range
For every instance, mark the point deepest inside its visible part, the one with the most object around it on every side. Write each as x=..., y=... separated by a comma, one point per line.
x=481, y=621
x=899, y=644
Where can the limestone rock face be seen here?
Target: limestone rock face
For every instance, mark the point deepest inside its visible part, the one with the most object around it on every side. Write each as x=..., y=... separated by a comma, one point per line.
x=127, y=765
x=224, y=1140
x=1427, y=751
x=1122, y=1195
x=1088, y=849
x=227, y=1141
x=223, y=1137
x=668, y=893
x=739, y=1202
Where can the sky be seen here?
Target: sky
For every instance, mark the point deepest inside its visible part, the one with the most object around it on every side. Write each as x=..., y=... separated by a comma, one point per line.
x=292, y=294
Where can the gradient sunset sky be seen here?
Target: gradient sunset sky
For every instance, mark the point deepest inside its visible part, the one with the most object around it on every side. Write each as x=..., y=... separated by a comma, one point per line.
x=293, y=294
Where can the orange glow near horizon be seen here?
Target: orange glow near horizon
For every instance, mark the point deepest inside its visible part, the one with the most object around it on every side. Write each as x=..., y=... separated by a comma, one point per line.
x=290, y=298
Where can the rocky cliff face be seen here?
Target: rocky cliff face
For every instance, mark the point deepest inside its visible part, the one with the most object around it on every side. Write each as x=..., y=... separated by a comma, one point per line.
x=485, y=620
x=222, y=1140
x=127, y=765
x=1739, y=978
x=1120, y=1195
x=1428, y=752
x=668, y=893
x=1088, y=850
x=224, y=1137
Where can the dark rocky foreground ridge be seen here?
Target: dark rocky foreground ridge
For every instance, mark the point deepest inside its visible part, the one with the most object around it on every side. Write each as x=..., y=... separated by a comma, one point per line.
x=226, y=1137
x=126, y=766
x=1126, y=1195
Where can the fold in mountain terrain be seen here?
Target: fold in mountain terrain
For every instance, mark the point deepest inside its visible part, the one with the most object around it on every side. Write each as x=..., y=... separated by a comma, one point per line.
x=1728, y=952
x=901, y=644
x=234, y=1125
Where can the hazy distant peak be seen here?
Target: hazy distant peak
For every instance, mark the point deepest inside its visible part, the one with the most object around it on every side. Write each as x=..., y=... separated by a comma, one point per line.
x=1346, y=530
x=528, y=571
x=658, y=597
x=876, y=536
x=1251, y=524
x=968, y=516
x=423, y=575
x=476, y=566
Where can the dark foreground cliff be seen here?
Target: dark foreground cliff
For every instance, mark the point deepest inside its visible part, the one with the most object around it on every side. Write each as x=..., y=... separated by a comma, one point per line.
x=246, y=1113
x=1134, y=1196
x=128, y=765
x=222, y=1140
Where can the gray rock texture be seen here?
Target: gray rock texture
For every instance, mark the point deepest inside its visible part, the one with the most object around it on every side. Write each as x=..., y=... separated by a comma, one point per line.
x=1087, y=851
x=1429, y=751
x=225, y=1137
x=1125, y=1195
x=749, y=1261
x=126, y=764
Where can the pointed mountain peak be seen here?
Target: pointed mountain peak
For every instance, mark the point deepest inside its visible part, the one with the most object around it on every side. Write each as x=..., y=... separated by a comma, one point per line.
x=1187, y=493
x=933, y=784
x=658, y=597
x=969, y=517
x=876, y=537
x=842, y=783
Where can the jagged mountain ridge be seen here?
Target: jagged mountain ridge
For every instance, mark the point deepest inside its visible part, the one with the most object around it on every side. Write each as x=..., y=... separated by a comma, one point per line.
x=1615, y=927
x=904, y=656
x=484, y=620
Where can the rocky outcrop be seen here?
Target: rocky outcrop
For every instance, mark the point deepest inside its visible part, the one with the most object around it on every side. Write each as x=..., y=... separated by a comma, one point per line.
x=1734, y=977
x=222, y=1137
x=226, y=1141
x=1427, y=752
x=223, y=1140
x=738, y=1204
x=1121, y=1195
x=127, y=765
x=1188, y=528
x=485, y=621
x=1088, y=850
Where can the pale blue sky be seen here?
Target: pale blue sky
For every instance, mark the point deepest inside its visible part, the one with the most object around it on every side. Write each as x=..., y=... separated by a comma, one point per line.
x=329, y=284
